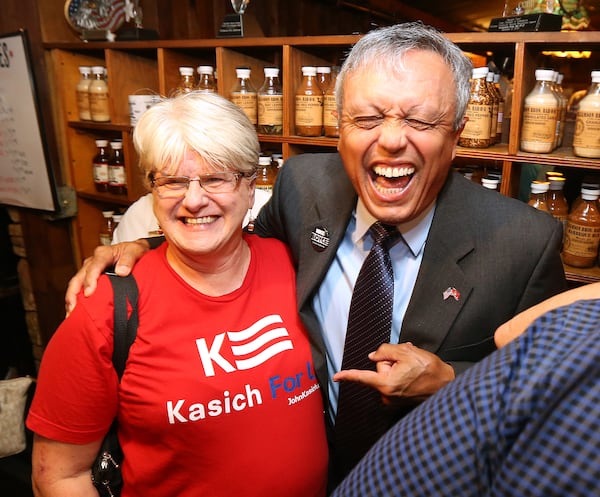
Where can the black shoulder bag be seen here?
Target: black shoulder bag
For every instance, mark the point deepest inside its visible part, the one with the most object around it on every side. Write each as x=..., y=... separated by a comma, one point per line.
x=106, y=470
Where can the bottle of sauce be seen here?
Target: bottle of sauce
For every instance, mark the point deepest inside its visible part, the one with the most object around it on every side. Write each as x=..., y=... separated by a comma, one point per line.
x=266, y=174
x=323, y=77
x=107, y=228
x=538, y=195
x=476, y=133
x=540, y=115
x=117, y=180
x=309, y=104
x=331, y=126
x=206, y=80
x=186, y=83
x=586, y=142
x=83, y=96
x=100, y=166
x=270, y=103
x=582, y=236
x=244, y=95
x=98, y=94
x=556, y=201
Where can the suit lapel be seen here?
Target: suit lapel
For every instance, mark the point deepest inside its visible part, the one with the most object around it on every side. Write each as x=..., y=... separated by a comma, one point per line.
x=328, y=214
x=441, y=289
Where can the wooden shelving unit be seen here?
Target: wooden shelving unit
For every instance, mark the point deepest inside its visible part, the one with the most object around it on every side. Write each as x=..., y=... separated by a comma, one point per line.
x=153, y=65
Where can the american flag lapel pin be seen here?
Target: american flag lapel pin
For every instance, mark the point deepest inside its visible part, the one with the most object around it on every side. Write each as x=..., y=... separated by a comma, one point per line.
x=451, y=292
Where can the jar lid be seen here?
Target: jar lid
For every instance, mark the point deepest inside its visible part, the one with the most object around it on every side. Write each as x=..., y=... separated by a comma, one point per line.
x=116, y=144
x=205, y=70
x=557, y=182
x=271, y=72
x=479, y=72
x=108, y=214
x=544, y=74
x=324, y=69
x=101, y=143
x=490, y=182
x=540, y=186
x=309, y=71
x=186, y=71
x=589, y=194
x=264, y=161
x=85, y=69
x=242, y=72
x=98, y=69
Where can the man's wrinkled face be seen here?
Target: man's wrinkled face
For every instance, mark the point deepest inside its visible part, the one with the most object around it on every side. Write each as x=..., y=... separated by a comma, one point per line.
x=396, y=134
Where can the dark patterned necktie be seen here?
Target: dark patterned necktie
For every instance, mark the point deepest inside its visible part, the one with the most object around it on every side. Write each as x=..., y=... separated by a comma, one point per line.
x=361, y=418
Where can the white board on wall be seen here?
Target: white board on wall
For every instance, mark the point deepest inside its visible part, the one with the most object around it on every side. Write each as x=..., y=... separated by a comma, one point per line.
x=25, y=177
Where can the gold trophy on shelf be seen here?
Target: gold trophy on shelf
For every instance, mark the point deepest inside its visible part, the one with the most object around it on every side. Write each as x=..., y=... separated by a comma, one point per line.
x=233, y=25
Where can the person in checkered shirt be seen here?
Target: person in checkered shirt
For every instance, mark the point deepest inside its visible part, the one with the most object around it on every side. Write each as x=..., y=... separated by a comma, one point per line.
x=525, y=421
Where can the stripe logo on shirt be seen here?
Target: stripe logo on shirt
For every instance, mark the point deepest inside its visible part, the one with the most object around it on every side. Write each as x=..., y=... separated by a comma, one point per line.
x=250, y=347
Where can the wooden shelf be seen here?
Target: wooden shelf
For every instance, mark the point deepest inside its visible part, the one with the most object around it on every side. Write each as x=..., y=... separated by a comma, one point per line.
x=153, y=65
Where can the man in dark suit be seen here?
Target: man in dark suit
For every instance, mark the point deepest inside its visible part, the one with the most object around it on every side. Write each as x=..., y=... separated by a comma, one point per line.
x=468, y=260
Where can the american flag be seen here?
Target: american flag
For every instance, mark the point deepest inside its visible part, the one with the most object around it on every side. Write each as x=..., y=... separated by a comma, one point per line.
x=451, y=292
x=97, y=14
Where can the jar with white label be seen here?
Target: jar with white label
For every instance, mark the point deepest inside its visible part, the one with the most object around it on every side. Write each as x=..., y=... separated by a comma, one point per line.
x=309, y=104
x=477, y=130
x=82, y=91
x=98, y=94
x=540, y=115
x=270, y=103
x=586, y=142
x=244, y=95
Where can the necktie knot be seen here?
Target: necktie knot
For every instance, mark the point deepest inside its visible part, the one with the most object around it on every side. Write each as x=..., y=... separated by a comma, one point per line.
x=381, y=233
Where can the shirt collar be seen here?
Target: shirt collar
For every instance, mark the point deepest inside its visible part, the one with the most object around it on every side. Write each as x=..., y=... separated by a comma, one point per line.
x=413, y=232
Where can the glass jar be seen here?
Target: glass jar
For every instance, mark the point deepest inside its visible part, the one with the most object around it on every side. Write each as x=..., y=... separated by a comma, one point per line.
x=107, y=228
x=309, y=104
x=586, y=142
x=538, y=195
x=186, y=80
x=270, y=103
x=206, y=80
x=540, y=115
x=582, y=236
x=244, y=95
x=266, y=174
x=476, y=133
x=83, y=95
x=331, y=125
x=117, y=179
x=100, y=166
x=98, y=94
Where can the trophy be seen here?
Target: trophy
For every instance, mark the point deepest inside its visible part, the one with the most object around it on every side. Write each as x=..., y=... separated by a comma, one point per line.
x=239, y=6
x=233, y=24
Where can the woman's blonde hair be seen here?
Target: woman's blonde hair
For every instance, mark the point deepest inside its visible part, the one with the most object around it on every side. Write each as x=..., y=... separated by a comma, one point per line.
x=205, y=123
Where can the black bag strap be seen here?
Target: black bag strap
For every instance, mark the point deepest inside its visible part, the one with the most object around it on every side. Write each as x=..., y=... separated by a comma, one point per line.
x=125, y=330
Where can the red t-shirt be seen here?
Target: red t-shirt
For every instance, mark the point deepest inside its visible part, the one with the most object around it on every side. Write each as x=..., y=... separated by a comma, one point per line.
x=219, y=396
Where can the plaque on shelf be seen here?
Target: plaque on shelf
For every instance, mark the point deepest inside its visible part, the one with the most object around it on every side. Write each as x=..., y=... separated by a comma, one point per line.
x=232, y=26
x=527, y=22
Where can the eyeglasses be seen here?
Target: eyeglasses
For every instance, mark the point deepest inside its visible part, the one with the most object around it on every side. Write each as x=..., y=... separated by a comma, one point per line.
x=177, y=186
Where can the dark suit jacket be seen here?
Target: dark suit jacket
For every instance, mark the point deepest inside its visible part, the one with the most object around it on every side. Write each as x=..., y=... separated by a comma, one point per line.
x=501, y=255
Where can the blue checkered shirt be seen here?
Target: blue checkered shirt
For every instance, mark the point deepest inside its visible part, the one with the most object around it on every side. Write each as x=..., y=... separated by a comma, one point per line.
x=524, y=422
